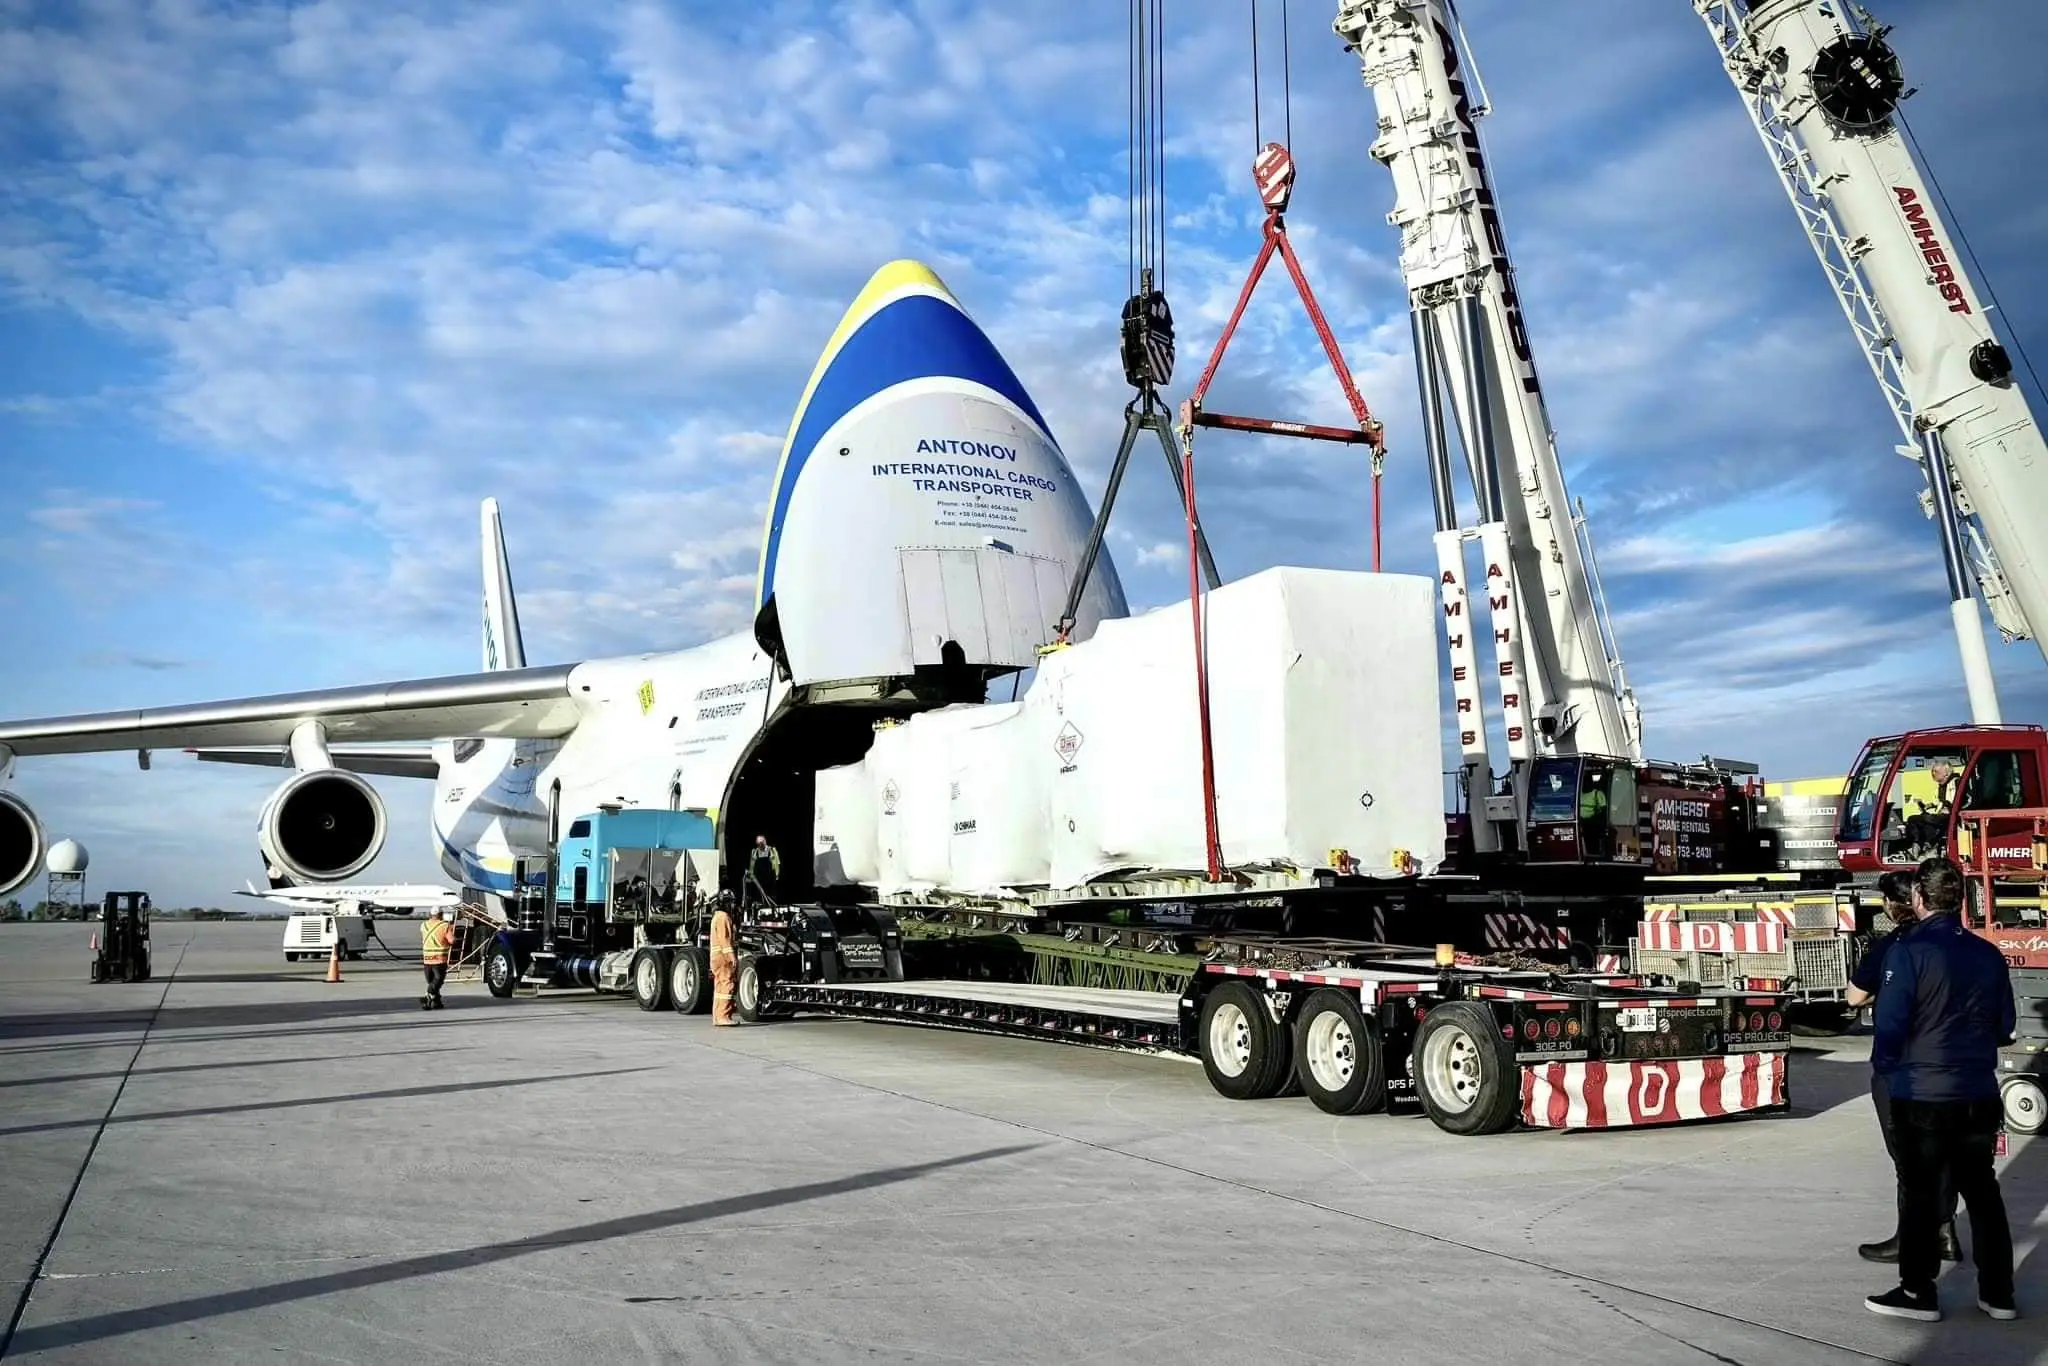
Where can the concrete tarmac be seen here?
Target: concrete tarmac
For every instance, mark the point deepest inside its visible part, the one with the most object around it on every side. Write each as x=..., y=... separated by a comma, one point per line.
x=238, y=1161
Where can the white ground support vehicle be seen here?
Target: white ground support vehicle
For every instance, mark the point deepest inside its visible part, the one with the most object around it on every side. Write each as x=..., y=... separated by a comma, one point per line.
x=313, y=935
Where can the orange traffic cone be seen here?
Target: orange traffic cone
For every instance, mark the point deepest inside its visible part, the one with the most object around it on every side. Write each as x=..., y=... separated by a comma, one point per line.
x=334, y=963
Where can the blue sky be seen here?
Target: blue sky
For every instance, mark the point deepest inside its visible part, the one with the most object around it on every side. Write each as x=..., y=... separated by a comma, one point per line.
x=284, y=291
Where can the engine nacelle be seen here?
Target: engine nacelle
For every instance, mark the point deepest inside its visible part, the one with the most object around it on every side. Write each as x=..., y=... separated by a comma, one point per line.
x=322, y=826
x=21, y=842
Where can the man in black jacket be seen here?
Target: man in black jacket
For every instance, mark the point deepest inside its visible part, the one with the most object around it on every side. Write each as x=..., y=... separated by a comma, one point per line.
x=1944, y=1009
x=1897, y=890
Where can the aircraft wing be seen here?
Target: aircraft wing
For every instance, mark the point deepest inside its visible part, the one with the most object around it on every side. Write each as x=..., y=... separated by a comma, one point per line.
x=520, y=703
x=384, y=761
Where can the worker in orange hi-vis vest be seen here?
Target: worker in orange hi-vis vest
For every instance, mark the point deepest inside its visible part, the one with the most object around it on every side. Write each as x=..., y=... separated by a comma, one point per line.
x=437, y=937
x=724, y=963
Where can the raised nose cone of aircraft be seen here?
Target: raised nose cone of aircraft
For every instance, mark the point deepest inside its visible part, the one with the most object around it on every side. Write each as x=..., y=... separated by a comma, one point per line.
x=923, y=514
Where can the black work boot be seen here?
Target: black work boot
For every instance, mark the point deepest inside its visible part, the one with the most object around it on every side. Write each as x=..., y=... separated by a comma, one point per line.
x=1951, y=1246
x=1886, y=1251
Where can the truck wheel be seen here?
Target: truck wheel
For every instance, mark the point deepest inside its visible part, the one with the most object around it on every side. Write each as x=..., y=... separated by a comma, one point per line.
x=746, y=989
x=1337, y=1055
x=501, y=971
x=1245, y=1054
x=689, y=986
x=2025, y=1104
x=650, y=981
x=1824, y=1021
x=1465, y=1073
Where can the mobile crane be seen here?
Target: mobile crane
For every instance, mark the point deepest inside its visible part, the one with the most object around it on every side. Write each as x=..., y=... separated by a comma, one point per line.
x=1579, y=815
x=1823, y=89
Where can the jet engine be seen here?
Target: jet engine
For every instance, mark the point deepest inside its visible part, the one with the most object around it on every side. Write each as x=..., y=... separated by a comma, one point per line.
x=321, y=826
x=21, y=842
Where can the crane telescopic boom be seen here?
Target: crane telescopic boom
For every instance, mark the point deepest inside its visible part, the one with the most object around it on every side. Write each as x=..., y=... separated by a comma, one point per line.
x=1823, y=90
x=1561, y=685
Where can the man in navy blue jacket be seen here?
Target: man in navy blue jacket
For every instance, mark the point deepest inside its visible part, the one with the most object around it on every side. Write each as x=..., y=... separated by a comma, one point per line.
x=1943, y=1011
x=1897, y=890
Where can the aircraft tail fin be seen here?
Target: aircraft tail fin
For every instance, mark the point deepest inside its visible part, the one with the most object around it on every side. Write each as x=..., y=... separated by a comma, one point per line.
x=503, y=646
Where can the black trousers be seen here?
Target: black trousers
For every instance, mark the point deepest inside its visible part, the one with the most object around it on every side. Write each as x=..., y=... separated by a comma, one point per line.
x=1961, y=1136
x=1881, y=1097
x=437, y=973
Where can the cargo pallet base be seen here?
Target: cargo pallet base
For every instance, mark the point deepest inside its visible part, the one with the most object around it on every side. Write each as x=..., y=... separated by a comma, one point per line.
x=1355, y=1027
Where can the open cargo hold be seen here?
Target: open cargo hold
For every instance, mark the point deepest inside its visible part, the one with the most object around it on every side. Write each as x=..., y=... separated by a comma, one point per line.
x=1325, y=719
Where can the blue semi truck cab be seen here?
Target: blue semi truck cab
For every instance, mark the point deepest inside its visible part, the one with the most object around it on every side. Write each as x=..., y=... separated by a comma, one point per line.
x=628, y=903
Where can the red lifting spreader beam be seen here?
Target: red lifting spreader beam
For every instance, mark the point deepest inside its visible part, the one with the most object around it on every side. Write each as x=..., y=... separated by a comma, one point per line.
x=1274, y=171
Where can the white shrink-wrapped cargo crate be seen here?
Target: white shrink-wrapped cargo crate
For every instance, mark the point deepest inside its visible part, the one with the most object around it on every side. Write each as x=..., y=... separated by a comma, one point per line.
x=844, y=828
x=889, y=767
x=1001, y=818
x=1325, y=720
x=926, y=778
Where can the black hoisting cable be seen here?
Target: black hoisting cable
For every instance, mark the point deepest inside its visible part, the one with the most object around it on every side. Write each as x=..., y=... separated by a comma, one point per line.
x=1286, y=77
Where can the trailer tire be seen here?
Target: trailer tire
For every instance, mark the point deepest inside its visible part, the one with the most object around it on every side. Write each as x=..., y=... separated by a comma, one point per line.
x=2024, y=1104
x=1245, y=1054
x=1465, y=1073
x=689, y=985
x=1337, y=1055
x=746, y=989
x=650, y=980
x=501, y=971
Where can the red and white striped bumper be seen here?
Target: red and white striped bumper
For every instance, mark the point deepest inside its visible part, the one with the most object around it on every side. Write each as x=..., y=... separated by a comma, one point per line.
x=1618, y=1095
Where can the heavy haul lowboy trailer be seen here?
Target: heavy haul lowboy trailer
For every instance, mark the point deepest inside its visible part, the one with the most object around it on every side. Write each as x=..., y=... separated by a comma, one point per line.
x=1357, y=1027
x=1482, y=1047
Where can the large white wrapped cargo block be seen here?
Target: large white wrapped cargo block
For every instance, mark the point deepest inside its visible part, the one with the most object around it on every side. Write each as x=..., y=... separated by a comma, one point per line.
x=1325, y=723
x=844, y=828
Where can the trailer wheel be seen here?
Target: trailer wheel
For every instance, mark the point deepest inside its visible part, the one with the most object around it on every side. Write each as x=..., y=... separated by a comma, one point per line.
x=1337, y=1055
x=1244, y=1053
x=650, y=981
x=746, y=989
x=501, y=971
x=2024, y=1104
x=1465, y=1072
x=689, y=989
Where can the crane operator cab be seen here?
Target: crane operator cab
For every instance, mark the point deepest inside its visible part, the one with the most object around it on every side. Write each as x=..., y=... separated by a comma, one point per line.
x=1910, y=796
x=1583, y=809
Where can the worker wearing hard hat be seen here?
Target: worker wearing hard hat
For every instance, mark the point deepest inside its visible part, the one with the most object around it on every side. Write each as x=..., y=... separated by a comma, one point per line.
x=437, y=939
x=724, y=962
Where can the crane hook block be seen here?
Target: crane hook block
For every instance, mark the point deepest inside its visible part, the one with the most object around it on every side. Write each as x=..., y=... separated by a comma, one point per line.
x=1147, y=340
x=1273, y=169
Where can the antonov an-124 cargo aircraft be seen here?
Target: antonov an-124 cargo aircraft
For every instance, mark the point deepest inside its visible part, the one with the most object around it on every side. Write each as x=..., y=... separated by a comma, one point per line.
x=921, y=540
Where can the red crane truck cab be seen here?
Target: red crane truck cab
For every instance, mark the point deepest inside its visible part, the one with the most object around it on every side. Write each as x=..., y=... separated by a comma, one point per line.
x=1908, y=794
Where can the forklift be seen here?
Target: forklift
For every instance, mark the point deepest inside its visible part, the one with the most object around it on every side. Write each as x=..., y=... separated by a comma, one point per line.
x=122, y=943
